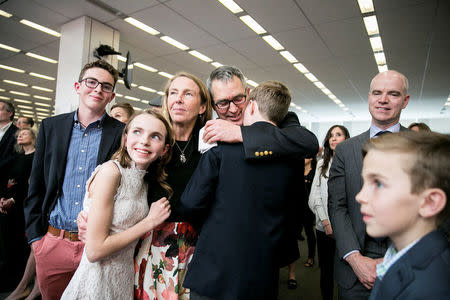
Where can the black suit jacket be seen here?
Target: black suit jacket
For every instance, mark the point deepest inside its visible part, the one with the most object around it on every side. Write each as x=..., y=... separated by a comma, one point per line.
x=238, y=250
x=7, y=146
x=49, y=164
x=423, y=272
x=344, y=183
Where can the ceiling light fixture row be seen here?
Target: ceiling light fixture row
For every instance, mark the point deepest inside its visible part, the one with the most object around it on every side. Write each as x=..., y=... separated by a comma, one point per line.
x=29, y=54
x=371, y=24
x=30, y=24
x=277, y=46
x=23, y=71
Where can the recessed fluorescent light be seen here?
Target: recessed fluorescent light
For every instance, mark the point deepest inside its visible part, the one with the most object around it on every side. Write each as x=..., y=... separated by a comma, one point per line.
x=19, y=93
x=371, y=25
x=137, y=108
x=42, y=109
x=133, y=85
x=22, y=101
x=145, y=67
x=231, y=5
x=42, y=104
x=382, y=68
x=27, y=111
x=252, y=83
x=311, y=77
x=121, y=58
x=160, y=93
x=4, y=98
x=200, y=56
x=216, y=64
x=6, y=47
x=5, y=14
x=15, y=82
x=376, y=43
x=380, y=58
x=141, y=26
x=319, y=84
x=250, y=22
x=366, y=6
x=41, y=88
x=337, y=101
x=120, y=81
x=147, y=89
x=2, y=90
x=288, y=56
x=145, y=101
x=42, y=97
x=28, y=115
x=273, y=42
x=447, y=104
x=40, y=27
x=41, y=76
x=25, y=106
x=293, y=104
x=12, y=69
x=41, y=57
x=119, y=95
x=332, y=97
x=167, y=75
x=132, y=98
x=341, y=105
x=174, y=42
x=326, y=91
x=305, y=111
x=45, y=114
x=301, y=68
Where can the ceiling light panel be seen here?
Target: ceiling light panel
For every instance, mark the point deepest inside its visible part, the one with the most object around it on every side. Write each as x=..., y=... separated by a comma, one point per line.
x=19, y=93
x=4, y=98
x=42, y=104
x=23, y=101
x=366, y=6
x=301, y=68
x=288, y=56
x=250, y=22
x=380, y=58
x=147, y=89
x=231, y=6
x=371, y=25
x=252, y=83
x=42, y=88
x=42, y=76
x=42, y=97
x=174, y=42
x=132, y=98
x=41, y=57
x=382, y=68
x=164, y=74
x=40, y=27
x=6, y=47
x=12, y=69
x=200, y=56
x=311, y=77
x=273, y=42
x=376, y=43
x=145, y=67
x=15, y=82
x=216, y=64
x=141, y=26
x=25, y=106
x=5, y=14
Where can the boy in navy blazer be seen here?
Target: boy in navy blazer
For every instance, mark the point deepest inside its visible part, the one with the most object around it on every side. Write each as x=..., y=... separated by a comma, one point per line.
x=404, y=197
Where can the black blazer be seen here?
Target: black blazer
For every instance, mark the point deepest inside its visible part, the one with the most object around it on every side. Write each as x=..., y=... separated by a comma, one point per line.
x=49, y=164
x=7, y=146
x=238, y=250
x=344, y=183
x=423, y=272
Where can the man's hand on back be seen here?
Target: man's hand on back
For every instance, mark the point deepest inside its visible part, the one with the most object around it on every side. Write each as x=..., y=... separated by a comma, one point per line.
x=222, y=131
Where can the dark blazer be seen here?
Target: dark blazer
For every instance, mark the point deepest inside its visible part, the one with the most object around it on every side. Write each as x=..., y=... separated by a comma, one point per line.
x=344, y=183
x=289, y=139
x=49, y=164
x=423, y=272
x=7, y=146
x=238, y=250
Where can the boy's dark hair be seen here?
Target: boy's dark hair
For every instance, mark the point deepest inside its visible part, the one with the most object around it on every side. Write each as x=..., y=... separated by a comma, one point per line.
x=102, y=65
x=430, y=165
x=29, y=121
x=273, y=100
x=9, y=108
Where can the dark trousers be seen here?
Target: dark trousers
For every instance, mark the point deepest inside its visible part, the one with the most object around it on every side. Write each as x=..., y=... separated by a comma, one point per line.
x=326, y=247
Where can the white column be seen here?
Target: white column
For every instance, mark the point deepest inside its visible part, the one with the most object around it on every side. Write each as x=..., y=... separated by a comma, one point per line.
x=79, y=39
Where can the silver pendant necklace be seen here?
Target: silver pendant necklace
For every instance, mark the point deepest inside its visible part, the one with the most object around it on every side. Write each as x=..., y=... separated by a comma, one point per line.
x=182, y=156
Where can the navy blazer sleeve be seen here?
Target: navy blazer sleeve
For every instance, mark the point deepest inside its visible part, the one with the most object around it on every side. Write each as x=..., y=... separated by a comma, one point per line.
x=288, y=140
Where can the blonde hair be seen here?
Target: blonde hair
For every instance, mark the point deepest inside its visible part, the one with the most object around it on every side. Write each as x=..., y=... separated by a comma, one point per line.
x=19, y=148
x=273, y=100
x=125, y=160
x=430, y=163
x=204, y=98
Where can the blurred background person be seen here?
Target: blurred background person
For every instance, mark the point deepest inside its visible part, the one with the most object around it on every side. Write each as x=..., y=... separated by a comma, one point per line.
x=24, y=122
x=318, y=202
x=14, y=249
x=122, y=111
x=419, y=127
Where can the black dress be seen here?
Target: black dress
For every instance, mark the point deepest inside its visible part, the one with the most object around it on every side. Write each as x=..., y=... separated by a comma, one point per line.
x=14, y=249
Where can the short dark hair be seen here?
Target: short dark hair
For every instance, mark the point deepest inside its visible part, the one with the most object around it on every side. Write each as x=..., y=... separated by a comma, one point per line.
x=29, y=121
x=9, y=108
x=125, y=106
x=102, y=65
x=273, y=100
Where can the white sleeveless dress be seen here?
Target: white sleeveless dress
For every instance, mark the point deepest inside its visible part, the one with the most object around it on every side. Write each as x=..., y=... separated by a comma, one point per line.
x=113, y=276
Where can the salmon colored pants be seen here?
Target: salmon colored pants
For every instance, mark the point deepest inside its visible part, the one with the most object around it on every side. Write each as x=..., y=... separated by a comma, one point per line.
x=57, y=259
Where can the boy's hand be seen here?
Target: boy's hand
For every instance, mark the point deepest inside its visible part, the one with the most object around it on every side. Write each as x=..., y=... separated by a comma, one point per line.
x=82, y=220
x=222, y=131
x=159, y=211
x=364, y=268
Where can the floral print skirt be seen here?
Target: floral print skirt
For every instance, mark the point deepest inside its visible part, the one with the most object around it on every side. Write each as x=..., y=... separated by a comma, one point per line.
x=161, y=259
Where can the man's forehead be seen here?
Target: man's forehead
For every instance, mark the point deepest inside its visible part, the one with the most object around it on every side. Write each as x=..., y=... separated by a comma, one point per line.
x=221, y=87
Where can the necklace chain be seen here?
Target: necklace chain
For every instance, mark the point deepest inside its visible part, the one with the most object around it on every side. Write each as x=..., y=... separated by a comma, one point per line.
x=182, y=156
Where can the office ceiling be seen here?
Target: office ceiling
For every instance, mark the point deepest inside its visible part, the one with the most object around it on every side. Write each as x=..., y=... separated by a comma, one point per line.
x=327, y=36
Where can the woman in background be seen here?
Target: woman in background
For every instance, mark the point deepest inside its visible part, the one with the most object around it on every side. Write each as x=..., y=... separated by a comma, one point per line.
x=162, y=257
x=318, y=202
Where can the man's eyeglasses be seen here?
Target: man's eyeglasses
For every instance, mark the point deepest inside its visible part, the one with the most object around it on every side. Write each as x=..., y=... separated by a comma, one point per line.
x=93, y=83
x=225, y=104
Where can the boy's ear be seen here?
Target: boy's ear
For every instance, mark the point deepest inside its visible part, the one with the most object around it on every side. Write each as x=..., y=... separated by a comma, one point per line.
x=434, y=201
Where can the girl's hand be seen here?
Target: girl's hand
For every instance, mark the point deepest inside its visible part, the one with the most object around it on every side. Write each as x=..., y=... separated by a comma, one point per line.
x=159, y=211
x=82, y=220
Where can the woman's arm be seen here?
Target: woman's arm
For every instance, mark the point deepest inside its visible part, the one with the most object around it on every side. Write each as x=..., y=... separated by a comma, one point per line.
x=103, y=188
